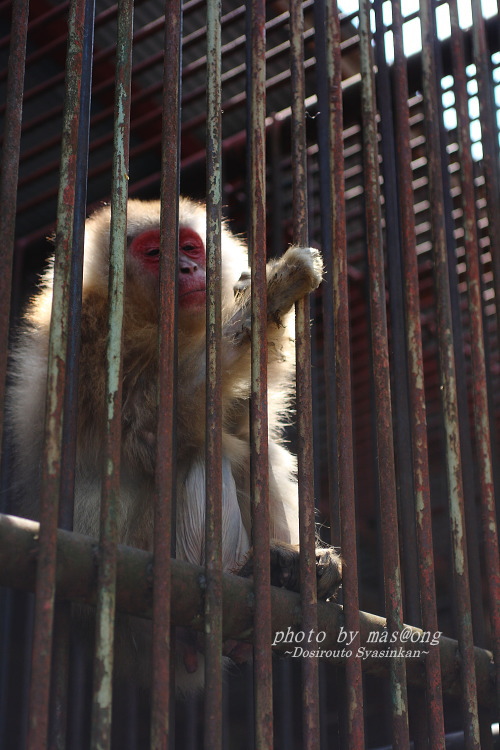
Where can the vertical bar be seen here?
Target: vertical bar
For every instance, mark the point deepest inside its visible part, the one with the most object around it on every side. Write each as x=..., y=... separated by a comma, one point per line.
x=382, y=385
x=9, y=175
x=479, y=388
x=307, y=530
x=106, y=595
x=421, y=478
x=327, y=298
x=213, y=543
x=489, y=140
x=262, y=655
x=402, y=430
x=50, y=491
x=467, y=459
x=337, y=261
x=62, y=621
x=448, y=381
x=8, y=204
x=162, y=726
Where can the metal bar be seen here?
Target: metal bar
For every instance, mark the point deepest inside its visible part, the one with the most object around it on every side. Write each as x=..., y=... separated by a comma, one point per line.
x=165, y=504
x=467, y=459
x=448, y=380
x=49, y=499
x=9, y=176
x=307, y=529
x=213, y=523
x=322, y=82
x=106, y=600
x=62, y=625
x=76, y=581
x=399, y=381
x=421, y=478
x=489, y=140
x=382, y=385
x=342, y=365
x=262, y=655
x=479, y=388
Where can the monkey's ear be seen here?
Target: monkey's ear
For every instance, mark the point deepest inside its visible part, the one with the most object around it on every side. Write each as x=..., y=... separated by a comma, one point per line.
x=243, y=282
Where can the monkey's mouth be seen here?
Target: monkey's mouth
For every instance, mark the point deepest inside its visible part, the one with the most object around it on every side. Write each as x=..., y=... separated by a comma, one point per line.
x=193, y=291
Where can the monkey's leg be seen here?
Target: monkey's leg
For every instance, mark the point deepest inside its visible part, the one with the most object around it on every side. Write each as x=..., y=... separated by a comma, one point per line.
x=285, y=568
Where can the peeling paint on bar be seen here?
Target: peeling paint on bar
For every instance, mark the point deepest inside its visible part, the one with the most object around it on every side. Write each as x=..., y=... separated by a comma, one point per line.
x=213, y=455
x=416, y=382
x=448, y=379
x=49, y=499
x=104, y=644
x=479, y=387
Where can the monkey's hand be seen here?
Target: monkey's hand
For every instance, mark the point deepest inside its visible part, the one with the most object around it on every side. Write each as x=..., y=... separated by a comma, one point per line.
x=285, y=568
x=289, y=278
x=298, y=272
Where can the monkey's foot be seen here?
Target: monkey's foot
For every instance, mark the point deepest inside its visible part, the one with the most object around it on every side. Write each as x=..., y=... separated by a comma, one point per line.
x=328, y=571
x=285, y=568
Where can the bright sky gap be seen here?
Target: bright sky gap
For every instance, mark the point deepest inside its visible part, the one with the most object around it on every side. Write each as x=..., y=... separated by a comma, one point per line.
x=412, y=44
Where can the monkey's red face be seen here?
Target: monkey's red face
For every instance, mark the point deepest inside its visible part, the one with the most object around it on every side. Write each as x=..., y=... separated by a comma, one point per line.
x=192, y=277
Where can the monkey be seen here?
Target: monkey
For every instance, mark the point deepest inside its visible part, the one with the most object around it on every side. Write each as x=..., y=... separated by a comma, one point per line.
x=298, y=272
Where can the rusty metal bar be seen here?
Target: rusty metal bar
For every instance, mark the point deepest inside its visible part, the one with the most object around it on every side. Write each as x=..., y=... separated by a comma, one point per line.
x=62, y=614
x=399, y=375
x=382, y=385
x=448, y=380
x=467, y=459
x=49, y=499
x=421, y=478
x=307, y=530
x=340, y=353
x=489, y=140
x=262, y=655
x=213, y=523
x=479, y=387
x=165, y=501
x=9, y=176
x=77, y=581
x=106, y=599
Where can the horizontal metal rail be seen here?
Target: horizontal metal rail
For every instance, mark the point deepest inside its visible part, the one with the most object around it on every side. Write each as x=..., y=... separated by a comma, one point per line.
x=76, y=580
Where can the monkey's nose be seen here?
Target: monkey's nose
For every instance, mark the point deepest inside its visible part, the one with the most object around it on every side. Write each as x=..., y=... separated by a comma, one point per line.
x=188, y=267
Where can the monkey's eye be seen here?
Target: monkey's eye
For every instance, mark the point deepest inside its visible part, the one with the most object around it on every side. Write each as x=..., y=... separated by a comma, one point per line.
x=191, y=244
x=154, y=252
